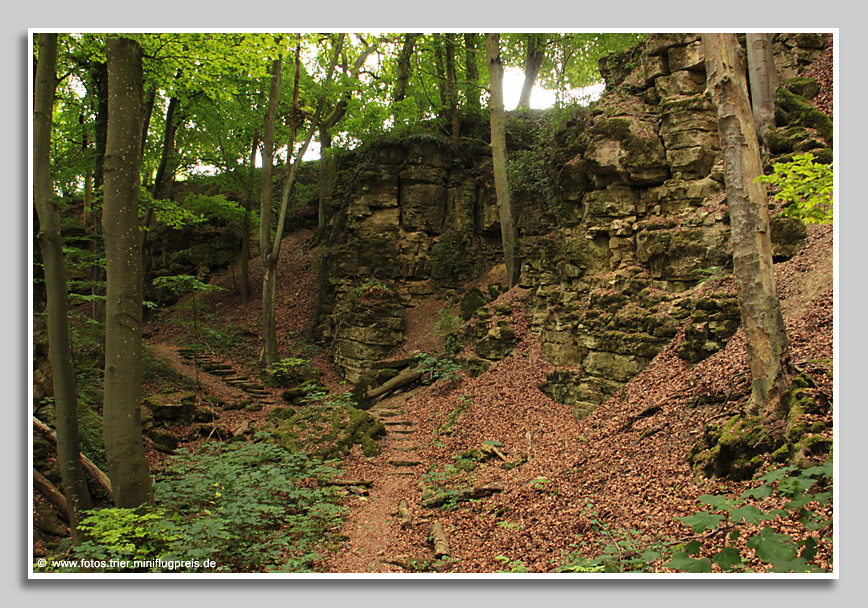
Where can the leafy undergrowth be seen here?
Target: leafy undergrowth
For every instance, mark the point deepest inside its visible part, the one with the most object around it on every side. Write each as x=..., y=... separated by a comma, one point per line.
x=233, y=508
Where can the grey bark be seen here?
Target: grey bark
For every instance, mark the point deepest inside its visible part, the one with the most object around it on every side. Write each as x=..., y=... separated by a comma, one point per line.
x=764, y=82
x=124, y=445
x=508, y=231
x=767, y=345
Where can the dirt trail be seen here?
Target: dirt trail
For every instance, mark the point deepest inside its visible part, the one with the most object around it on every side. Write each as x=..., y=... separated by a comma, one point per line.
x=372, y=526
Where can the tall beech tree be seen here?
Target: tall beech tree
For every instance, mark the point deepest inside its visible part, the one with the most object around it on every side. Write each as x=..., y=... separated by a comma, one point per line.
x=269, y=333
x=508, y=232
x=767, y=345
x=271, y=247
x=122, y=425
x=59, y=352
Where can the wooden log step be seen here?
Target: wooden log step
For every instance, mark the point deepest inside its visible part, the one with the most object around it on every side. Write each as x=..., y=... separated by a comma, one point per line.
x=388, y=413
x=402, y=431
x=397, y=423
x=409, y=448
x=441, y=545
x=405, y=463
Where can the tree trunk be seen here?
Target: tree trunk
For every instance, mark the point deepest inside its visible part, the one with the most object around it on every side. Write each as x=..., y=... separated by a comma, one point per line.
x=498, y=153
x=245, y=226
x=269, y=337
x=124, y=446
x=149, y=111
x=99, y=92
x=536, y=52
x=51, y=494
x=59, y=352
x=764, y=82
x=452, y=93
x=470, y=66
x=165, y=172
x=86, y=464
x=403, y=71
x=325, y=178
x=767, y=345
x=270, y=258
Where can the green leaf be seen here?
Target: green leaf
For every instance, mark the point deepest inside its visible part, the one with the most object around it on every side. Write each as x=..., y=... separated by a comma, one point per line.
x=702, y=521
x=718, y=502
x=749, y=514
x=772, y=547
x=726, y=558
x=688, y=564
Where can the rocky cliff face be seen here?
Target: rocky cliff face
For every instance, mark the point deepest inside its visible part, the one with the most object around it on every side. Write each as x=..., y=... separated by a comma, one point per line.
x=622, y=219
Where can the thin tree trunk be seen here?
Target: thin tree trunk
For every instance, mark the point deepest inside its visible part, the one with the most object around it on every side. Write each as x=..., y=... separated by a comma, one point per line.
x=536, y=52
x=325, y=139
x=59, y=353
x=269, y=280
x=125, y=451
x=325, y=177
x=86, y=464
x=403, y=70
x=452, y=93
x=99, y=76
x=52, y=495
x=508, y=231
x=165, y=174
x=269, y=336
x=764, y=82
x=245, y=226
x=767, y=346
x=470, y=66
x=149, y=111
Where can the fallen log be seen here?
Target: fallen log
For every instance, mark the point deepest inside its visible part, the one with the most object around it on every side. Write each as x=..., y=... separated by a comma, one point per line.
x=51, y=494
x=441, y=546
x=348, y=482
x=460, y=495
x=403, y=379
x=404, y=513
x=100, y=477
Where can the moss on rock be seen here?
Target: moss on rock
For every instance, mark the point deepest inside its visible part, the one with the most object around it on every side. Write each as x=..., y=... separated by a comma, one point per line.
x=326, y=430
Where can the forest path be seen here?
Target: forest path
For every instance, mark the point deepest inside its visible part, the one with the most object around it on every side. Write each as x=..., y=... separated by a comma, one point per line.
x=371, y=526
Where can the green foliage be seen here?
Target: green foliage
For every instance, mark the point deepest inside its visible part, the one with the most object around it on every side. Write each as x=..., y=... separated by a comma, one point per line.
x=513, y=566
x=806, y=186
x=248, y=508
x=632, y=551
x=167, y=211
x=434, y=369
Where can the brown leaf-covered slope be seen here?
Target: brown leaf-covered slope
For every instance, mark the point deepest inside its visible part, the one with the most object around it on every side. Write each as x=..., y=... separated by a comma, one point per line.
x=617, y=466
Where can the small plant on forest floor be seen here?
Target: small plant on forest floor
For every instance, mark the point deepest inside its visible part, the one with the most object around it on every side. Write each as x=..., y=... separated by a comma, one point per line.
x=435, y=369
x=514, y=566
x=448, y=425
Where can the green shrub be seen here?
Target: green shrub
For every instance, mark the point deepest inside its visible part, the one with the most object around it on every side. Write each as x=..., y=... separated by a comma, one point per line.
x=249, y=508
x=806, y=186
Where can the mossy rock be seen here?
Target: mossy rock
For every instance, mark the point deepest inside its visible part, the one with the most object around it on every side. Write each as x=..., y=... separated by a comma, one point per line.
x=806, y=87
x=470, y=302
x=327, y=431
x=794, y=110
x=736, y=450
x=788, y=236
